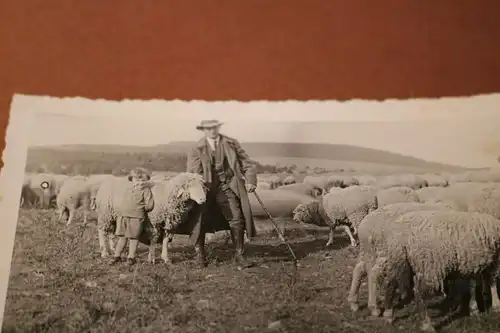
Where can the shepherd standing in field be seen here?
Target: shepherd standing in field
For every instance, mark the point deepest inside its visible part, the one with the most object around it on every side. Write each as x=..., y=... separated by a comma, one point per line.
x=230, y=175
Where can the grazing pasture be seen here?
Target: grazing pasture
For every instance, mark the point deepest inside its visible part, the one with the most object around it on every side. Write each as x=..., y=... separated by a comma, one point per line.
x=60, y=283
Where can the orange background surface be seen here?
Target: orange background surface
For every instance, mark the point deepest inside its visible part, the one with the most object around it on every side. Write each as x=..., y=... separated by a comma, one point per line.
x=248, y=49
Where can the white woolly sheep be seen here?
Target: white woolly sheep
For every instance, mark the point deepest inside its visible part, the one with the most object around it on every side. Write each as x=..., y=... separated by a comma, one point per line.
x=437, y=246
x=321, y=182
x=345, y=208
x=341, y=181
x=373, y=232
x=434, y=180
x=43, y=187
x=396, y=194
x=172, y=202
x=74, y=193
x=476, y=176
x=411, y=181
x=366, y=179
x=174, y=199
x=289, y=180
x=302, y=188
x=264, y=185
x=273, y=179
x=472, y=197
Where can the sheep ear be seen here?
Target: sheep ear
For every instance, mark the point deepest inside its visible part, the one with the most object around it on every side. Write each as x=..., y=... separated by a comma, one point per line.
x=180, y=192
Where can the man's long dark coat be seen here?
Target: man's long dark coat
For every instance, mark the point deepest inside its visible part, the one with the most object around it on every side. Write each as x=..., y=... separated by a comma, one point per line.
x=210, y=219
x=199, y=161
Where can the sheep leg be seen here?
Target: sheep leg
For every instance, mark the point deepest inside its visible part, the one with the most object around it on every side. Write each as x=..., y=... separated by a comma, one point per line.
x=164, y=249
x=373, y=271
x=495, y=302
x=111, y=240
x=71, y=216
x=357, y=273
x=85, y=216
x=152, y=249
x=330, y=237
x=102, y=244
x=427, y=325
x=346, y=228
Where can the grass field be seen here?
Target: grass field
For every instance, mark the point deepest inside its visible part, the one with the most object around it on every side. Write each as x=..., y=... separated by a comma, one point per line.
x=59, y=284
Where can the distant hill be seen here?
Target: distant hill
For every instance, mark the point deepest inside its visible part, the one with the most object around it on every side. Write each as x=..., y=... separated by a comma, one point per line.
x=266, y=149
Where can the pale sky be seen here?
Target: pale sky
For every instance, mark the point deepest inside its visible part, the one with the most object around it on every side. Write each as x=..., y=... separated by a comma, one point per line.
x=462, y=131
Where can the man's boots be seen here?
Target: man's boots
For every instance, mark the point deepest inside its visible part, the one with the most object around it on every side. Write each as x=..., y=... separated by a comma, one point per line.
x=199, y=248
x=238, y=238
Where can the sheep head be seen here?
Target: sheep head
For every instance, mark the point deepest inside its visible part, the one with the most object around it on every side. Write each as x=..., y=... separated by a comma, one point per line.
x=192, y=188
x=308, y=214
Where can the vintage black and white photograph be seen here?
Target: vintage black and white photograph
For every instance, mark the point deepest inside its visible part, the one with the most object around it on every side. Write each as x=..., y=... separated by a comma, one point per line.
x=194, y=216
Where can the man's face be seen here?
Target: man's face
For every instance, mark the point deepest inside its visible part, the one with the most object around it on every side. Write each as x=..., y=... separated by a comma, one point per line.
x=212, y=132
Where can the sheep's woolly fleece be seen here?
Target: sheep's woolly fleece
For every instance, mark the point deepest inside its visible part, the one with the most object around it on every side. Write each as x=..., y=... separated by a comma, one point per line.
x=347, y=206
x=380, y=224
x=350, y=205
x=435, y=243
x=171, y=210
x=411, y=181
x=74, y=192
x=395, y=195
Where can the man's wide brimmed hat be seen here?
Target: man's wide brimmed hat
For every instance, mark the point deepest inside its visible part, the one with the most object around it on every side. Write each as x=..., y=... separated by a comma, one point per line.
x=208, y=124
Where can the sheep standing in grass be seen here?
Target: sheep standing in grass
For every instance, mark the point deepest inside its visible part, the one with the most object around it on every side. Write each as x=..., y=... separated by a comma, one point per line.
x=173, y=200
x=321, y=182
x=264, y=185
x=373, y=233
x=395, y=195
x=411, y=181
x=472, y=197
x=302, y=188
x=341, y=208
x=437, y=246
x=289, y=180
x=74, y=193
x=342, y=181
x=435, y=180
x=366, y=179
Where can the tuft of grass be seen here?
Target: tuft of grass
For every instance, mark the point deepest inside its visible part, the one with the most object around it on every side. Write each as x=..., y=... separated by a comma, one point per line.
x=59, y=283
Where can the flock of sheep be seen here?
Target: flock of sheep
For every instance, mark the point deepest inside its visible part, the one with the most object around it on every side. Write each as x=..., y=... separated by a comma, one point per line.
x=414, y=232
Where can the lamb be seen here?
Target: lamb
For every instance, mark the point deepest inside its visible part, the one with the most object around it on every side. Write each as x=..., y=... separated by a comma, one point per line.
x=302, y=188
x=345, y=208
x=437, y=246
x=411, y=181
x=396, y=194
x=172, y=202
x=74, y=193
x=373, y=232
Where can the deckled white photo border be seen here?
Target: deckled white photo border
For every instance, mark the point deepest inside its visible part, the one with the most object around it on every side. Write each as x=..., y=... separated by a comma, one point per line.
x=25, y=109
